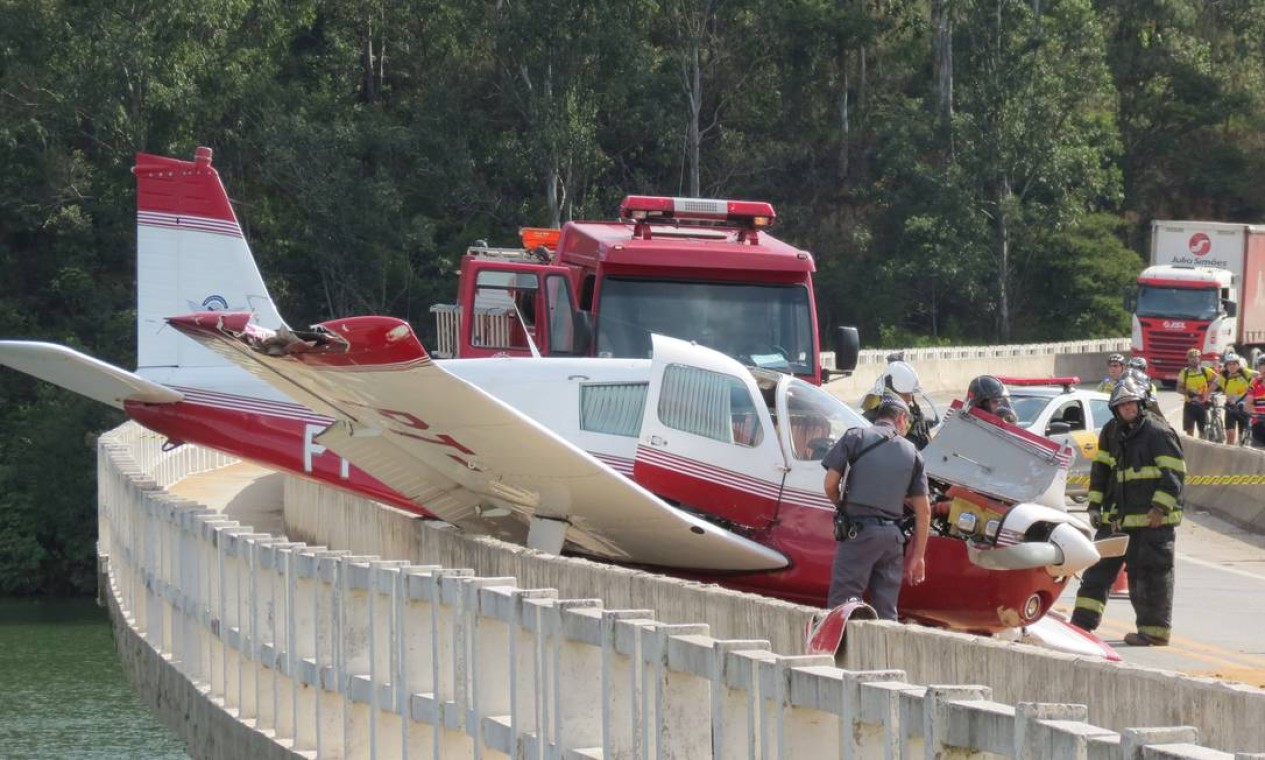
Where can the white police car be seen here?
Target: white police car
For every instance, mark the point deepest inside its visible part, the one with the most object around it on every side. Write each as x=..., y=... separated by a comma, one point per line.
x=1055, y=408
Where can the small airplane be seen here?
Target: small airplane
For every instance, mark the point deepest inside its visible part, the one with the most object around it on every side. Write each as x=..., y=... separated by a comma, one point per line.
x=687, y=462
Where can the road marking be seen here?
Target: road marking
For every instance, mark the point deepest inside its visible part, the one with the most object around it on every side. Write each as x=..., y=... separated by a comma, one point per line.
x=1189, y=648
x=1216, y=566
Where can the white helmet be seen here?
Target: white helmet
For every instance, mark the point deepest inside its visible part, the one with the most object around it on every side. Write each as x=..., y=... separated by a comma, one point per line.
x=901, y=378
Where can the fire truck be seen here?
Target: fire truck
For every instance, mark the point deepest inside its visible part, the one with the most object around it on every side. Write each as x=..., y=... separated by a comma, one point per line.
x=1203, y=290
x=701, y=270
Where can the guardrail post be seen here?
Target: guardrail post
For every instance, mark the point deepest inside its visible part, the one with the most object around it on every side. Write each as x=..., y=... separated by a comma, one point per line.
x=661, y=705
x=1132, y=740
x=619, y=681
x=732, y=729
x=936, y=726
x=858, y=738
x=774, y=677
x=1053, y=731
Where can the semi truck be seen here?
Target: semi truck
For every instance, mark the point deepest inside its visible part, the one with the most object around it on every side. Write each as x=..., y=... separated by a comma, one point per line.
x=1204, y=289
x=702, y=270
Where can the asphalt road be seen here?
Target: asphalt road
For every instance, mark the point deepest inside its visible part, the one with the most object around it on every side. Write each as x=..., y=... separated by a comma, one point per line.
x=1219, y=602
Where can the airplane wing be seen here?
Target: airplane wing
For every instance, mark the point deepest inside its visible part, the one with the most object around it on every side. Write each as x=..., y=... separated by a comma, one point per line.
x=83, y=374
x=462, y=453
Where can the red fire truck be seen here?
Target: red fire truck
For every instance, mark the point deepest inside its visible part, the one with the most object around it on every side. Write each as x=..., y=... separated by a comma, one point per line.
x=696, y=269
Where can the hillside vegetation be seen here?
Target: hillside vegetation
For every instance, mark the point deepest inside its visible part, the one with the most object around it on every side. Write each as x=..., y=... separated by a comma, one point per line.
x=967, y=171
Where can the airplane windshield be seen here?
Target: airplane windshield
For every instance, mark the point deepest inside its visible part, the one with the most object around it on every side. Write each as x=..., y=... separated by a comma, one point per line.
x=817, y=419
x=768, y=326
x=1186, y=303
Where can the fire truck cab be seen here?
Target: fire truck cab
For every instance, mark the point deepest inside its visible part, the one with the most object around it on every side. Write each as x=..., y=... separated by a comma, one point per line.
x=696, y=269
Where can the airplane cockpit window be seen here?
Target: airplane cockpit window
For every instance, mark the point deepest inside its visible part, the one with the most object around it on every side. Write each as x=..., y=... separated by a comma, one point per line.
x=709, y=404
x=613, y=408
x=817, y=419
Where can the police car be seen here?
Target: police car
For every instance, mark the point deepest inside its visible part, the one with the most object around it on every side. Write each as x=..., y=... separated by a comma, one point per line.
x=1055, y=408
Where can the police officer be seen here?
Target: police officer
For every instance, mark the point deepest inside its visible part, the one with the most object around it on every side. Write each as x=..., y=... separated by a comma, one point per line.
x=880, y=472
x=1135, y=485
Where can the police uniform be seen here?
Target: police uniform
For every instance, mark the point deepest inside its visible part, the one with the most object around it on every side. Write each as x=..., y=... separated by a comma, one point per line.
x=1138, y=467
x=876, y=489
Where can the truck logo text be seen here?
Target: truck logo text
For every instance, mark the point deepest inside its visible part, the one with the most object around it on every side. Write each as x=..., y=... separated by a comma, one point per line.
x=1200, y=244
x=1170, y=324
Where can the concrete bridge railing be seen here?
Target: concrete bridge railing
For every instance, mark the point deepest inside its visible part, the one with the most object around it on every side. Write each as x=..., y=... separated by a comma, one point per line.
x=256, y=646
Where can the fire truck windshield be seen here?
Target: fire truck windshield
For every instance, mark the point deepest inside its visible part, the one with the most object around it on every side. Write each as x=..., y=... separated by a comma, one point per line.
x=759, y=325
x=1185, y=303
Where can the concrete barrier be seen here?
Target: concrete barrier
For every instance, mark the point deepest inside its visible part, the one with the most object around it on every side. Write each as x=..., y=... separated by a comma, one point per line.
x=255, y=646
x=1226, y=480
x=951, y=369
x=1119, y=696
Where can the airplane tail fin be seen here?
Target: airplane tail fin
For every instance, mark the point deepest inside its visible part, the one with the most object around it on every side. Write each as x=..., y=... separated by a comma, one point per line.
x=190, y=256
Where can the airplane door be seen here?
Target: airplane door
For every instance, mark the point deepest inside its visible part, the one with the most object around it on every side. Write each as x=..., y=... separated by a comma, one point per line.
x=707, y=440
x=810, y=421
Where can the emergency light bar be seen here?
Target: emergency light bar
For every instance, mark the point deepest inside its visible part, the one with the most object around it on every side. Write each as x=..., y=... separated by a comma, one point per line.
x=753, y=214
x=1066, y=382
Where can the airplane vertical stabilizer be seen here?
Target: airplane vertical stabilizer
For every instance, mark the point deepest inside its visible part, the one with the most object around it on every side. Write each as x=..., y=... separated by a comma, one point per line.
x=190, y=256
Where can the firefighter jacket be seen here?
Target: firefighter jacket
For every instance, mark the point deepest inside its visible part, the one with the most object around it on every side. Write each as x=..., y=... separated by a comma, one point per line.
x=1137, y=467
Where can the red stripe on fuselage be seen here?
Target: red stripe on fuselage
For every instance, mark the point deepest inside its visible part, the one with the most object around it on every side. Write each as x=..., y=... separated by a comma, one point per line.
x=276, y=441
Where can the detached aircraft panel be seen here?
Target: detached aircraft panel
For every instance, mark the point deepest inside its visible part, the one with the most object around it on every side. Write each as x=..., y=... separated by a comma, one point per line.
x=474, y=453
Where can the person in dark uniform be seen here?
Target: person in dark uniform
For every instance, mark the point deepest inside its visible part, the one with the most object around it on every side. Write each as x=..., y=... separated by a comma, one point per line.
x=880, y=471
x=990, y=394
x=1135, y=485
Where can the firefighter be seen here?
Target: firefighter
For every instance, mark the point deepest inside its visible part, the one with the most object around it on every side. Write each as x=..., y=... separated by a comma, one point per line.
x=1233, y=381
x=988, y=393
x=901, y=379
x=1135, y=486
x=1115, y=368
x=1194, y=382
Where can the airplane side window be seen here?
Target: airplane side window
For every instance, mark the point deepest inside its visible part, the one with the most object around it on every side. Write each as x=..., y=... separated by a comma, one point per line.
x=709, y=404
x=613, y=408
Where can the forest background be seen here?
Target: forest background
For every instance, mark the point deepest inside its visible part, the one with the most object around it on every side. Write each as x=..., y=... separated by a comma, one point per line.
x=964, y=171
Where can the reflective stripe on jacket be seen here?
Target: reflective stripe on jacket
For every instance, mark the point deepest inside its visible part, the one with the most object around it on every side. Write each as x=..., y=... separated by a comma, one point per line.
x=1137, y=468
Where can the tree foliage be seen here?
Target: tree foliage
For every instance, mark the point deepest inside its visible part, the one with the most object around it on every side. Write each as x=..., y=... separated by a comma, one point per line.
x=962, y=171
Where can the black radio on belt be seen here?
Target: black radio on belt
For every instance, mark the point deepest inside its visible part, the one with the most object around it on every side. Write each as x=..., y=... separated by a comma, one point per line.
x=844, y=527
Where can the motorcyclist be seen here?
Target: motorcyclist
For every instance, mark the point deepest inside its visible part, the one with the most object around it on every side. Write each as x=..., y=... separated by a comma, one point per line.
x=988, y=393
x=901, y=379
x=1233, y=381
x=1194, y=382
x=1115, y=368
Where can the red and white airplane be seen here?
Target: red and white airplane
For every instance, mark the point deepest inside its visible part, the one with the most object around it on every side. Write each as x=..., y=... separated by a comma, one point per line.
x=687, y=462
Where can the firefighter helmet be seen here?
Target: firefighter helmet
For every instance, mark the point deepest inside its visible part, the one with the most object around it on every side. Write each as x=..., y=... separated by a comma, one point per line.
x=985, y=388
x=1128, y=389
x=1138, y=363
x=901, y=378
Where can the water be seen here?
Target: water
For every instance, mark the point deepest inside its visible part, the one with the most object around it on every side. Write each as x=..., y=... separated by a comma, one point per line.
x=62, y=690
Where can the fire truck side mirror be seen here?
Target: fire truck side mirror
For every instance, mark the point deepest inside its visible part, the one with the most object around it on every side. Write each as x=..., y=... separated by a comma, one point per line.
x=1130, y=299
x=1230, y=307
x=847, y=348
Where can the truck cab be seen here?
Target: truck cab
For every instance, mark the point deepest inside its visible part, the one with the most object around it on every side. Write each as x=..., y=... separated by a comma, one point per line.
x=700, y=270
x=1182, y=307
